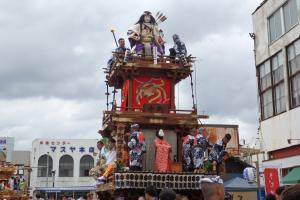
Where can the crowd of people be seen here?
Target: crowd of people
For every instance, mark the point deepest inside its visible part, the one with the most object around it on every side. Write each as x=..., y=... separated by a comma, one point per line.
x=285, y=193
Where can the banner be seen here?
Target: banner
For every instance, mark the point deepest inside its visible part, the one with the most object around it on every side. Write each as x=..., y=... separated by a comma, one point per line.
x=150, y=90
x=271, y=180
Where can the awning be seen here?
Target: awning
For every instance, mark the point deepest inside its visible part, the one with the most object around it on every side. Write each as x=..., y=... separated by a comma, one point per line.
x=239, y=184
x=292, y=177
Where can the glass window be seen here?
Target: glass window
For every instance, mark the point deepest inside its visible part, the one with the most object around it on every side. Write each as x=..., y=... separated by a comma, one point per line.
x=295, y=90
x=279, y=98
x=294, y=72
x=277, y=67
x=265, y=76
x=275, y=26
x=294, y=57
x=66, y=166
x=267, y=104
x=86, y=164
x=42, y=166
x=290, y=14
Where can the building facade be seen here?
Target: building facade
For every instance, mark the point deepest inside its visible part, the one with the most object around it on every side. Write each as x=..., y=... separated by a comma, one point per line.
x=62, y=166
x=277, y=58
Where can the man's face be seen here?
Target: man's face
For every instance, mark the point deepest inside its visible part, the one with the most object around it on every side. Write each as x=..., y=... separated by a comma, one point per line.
x=111, y=145
x=194, y=131
x=134, y=129
x=122, y=43
x=226, y=140
x=99, y=145
x=147, y=18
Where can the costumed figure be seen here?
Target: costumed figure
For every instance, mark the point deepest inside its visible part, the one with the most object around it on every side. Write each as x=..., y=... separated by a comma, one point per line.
x=137, y=147
x=145, y=35
x=162, y=153
x=218, y=151
x=179, y=50
x=198, y=151
x=188, y=142
x=120, y=49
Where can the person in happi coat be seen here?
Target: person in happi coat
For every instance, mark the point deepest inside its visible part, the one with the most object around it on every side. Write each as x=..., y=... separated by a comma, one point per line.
x=162, y=153
x=218, y=152
x=137, y=147
x=199, y=148
x=188, y=143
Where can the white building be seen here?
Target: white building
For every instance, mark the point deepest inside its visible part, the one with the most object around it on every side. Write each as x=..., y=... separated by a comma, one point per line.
x=7, y=143
x=277, y=57
x=67, y=161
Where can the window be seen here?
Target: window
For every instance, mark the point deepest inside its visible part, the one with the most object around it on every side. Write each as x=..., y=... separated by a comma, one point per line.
x=267, y=104
x=279, y=98
x=86, y=163
x=42, y=166
x=265, y=75
x=294, y=72
x=66, y=165
x=275, y=25
x=278, y=83
x=282, y=20
x=271, y=83
x=290, y=14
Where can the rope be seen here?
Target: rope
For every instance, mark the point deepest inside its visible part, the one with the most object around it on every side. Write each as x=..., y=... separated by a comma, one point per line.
x=196, y=86
x=192, y=87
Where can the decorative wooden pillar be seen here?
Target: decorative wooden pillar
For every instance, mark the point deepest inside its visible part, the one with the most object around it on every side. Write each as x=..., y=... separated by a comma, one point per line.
x=120, y=140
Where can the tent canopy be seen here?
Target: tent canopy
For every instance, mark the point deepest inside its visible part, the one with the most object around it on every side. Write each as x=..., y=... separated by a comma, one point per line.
x=239, y=184
x=292, y=177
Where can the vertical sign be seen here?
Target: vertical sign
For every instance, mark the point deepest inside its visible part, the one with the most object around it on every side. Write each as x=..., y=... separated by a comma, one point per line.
x=271, y=180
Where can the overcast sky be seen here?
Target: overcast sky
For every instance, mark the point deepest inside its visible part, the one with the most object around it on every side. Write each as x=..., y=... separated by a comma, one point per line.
x=52, y=53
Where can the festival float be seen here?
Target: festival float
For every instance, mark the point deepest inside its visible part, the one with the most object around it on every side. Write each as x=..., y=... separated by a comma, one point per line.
x=146, y=78
x=6, y=172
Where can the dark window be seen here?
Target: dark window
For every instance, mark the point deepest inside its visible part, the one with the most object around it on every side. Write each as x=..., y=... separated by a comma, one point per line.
x=86, y=163
x=271, y=87
x=42, y=166
x=66, y=166
x=294, y=72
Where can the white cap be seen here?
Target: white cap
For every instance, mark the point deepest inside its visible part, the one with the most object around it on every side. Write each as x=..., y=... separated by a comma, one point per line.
x=161, y=133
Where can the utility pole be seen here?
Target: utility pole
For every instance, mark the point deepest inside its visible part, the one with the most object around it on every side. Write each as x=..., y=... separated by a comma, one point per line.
x=257, y=175
x=47, y=169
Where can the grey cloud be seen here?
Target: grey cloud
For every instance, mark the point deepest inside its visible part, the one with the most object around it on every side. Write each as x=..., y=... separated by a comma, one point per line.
x=56, y=49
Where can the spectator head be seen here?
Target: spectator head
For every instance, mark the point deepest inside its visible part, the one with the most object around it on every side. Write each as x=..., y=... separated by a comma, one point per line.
x=150, y=192
x=291, y=193
x=270, y=197
x=278, y=192
x=167, y=194
x=212, y=188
